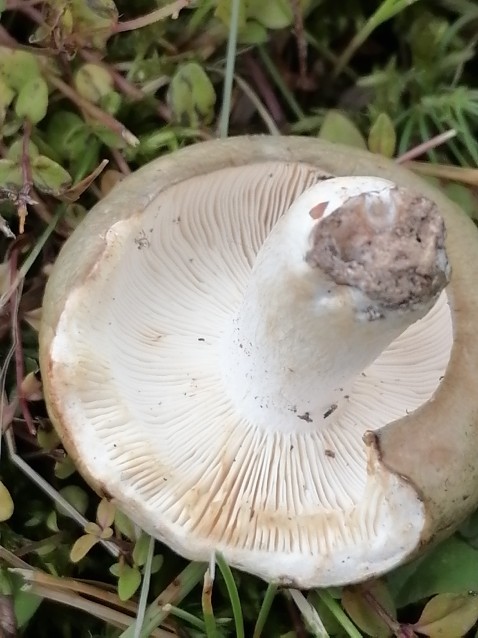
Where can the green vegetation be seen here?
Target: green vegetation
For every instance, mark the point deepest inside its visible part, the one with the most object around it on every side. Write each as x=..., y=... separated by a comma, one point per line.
x=89, y=91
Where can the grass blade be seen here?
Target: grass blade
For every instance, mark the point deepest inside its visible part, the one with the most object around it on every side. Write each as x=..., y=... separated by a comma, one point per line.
x=233, y=595
x=230, y=65
x=158, y=611
x=143, y=597
x=207, y=610
x=264, y=610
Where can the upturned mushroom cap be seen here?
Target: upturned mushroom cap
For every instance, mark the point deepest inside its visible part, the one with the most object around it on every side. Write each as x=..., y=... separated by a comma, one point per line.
x=214, y=426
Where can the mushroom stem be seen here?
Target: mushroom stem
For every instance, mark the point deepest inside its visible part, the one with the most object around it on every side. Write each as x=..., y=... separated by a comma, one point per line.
x=348, y=268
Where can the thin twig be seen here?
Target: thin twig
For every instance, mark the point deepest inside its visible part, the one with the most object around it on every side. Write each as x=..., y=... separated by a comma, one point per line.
x=264, y=88
x=93, y=110
x=50, y=491
x=420, y=149
x=172, y=10
x=121, y=163
x=390, y=622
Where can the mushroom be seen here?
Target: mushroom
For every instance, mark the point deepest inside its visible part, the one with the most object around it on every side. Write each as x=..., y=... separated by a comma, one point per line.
x=265, y=347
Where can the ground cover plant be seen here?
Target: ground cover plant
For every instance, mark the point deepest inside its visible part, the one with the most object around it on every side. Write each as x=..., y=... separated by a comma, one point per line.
x=89, y=91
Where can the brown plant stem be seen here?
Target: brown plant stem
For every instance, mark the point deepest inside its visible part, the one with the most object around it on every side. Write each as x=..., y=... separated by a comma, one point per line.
x=120, y=161
x=127, y=88
x=263, y=87
x=390, y=622
x=92, y=110
x=17, y=344
x=301, y=42
x=27, y=180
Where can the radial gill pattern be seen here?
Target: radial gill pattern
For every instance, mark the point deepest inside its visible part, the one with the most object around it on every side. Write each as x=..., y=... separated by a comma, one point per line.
x=149, y=409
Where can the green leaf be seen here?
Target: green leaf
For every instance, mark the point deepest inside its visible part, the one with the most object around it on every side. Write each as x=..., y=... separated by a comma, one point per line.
x=32, y=100
x=111, y=103
x=48, y=439
x=52, y=521
x=361, y=611
x=48, y=176
x=274, y=14
x=82, y=546
x=191, y=95
x=448, y=616
x=157, y=563
x=93, y=528
x=128, y=582
x=6, y=585
x=124, y=525
x=106, y=533
x=17, y=67
x=93, y=82
x=10, y=174
x=46, y=548
x=15, y=152
x=105, y=514
x=382, y=138
x=64, y=468
x=107, y=136
x=6, y=503
x=252, y=33
x=140, y=551
x=6, y=97
x=68, y=134
x=94, y=20
x=465, y=197
x=448, y=568
x=77, y=497
x=25, y=606
x=338, y=128
x=223, y=12
x=115, y=569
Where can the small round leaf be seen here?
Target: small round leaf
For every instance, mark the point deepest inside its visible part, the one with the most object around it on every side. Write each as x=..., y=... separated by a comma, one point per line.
x=338, y=128
x=361, y=611
x=382, y=138
x=140, y=551
x=48, y=176
x=124, y=525
x=77, y=497
x=105, y=514
x=128, y=582
x=82, y=546
x=448, y=616
x=6, y=503
x=10, y=174
x=93, y=528
x=17, y=67
x=64, y=468
x=191, y=95
x=93, y=82
x=32, y=100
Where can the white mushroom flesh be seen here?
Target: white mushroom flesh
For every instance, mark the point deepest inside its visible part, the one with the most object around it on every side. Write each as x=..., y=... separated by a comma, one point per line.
x=219, y=431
